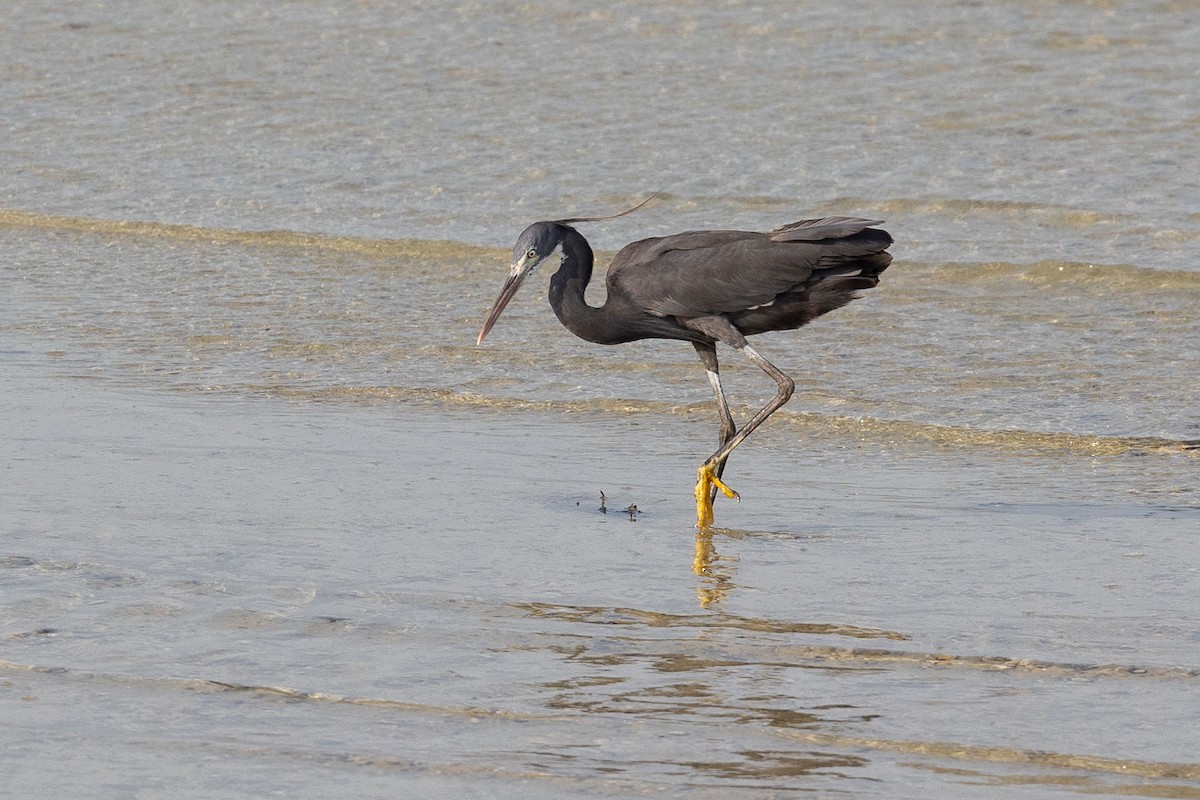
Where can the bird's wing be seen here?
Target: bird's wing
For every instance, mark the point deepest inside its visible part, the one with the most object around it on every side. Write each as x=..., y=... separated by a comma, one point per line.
x=713, y=272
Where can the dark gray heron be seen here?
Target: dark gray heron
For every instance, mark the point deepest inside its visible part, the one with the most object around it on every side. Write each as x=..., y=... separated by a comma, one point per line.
x=706, y=287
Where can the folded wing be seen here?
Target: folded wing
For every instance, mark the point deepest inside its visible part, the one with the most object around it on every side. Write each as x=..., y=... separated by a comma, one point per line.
x=699, y=273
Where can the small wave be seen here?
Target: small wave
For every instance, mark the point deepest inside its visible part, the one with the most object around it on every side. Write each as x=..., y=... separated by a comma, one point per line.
x=1050, y=274
x=901, y=206
x=390, y=249
x=956, y=751
x=1041, y=273
x=958, y=207
x=659, y=619
x=206, y=685
x=898, y=431
x=868, y=430
x=793, y=651
x=960, y=751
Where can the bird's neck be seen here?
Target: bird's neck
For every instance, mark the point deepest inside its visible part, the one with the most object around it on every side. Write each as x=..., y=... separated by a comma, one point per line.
x=567, y=287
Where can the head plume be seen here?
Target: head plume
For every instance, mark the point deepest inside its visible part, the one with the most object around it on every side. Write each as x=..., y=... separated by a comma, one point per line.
x=611, y=216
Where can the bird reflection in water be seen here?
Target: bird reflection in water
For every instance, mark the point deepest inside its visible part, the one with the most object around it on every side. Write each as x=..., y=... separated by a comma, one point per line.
x=705, y=287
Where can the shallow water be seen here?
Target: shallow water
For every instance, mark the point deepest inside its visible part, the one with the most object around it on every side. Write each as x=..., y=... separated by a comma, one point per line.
x=420, y=599
x=275, y=524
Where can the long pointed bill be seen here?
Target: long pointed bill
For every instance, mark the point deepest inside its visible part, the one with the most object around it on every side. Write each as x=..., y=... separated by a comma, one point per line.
x=507, y=292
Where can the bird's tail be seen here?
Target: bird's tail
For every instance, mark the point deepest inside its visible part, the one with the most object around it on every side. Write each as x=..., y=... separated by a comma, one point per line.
x=860, y=257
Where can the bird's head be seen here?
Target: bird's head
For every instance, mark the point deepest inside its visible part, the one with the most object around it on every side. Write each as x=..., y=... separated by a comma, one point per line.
x=534, y=245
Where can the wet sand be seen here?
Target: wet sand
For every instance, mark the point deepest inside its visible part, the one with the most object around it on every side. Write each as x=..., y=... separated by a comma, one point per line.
x=297, y=596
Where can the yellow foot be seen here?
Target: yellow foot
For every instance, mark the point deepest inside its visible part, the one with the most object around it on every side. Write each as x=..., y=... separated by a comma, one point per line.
x=705, y=480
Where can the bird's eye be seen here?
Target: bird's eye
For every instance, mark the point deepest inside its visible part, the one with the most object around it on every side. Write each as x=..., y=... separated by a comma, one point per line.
x=532, y=254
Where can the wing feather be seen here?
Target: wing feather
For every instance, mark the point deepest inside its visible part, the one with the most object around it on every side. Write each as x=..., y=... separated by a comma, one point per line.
x=812, y=230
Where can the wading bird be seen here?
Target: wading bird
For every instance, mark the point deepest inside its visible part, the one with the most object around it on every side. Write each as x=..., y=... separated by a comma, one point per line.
x=705, y=287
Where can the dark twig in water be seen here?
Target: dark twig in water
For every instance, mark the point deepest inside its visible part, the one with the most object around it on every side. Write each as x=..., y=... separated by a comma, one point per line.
x=631, y=509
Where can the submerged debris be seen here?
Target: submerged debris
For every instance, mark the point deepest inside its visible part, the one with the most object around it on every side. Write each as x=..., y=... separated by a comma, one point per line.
x=631, y=509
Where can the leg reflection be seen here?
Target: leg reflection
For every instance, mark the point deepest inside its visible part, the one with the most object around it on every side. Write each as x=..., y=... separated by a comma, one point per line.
x=715, y=570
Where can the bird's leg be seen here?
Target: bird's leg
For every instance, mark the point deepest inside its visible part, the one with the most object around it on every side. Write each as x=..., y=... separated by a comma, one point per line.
x=708, y=480
x=708, y=356
x=718, y=327
x=708, y=470
x=786, y=387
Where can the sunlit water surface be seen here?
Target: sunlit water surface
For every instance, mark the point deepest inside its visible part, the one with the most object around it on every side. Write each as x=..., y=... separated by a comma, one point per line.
x=274, y=524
